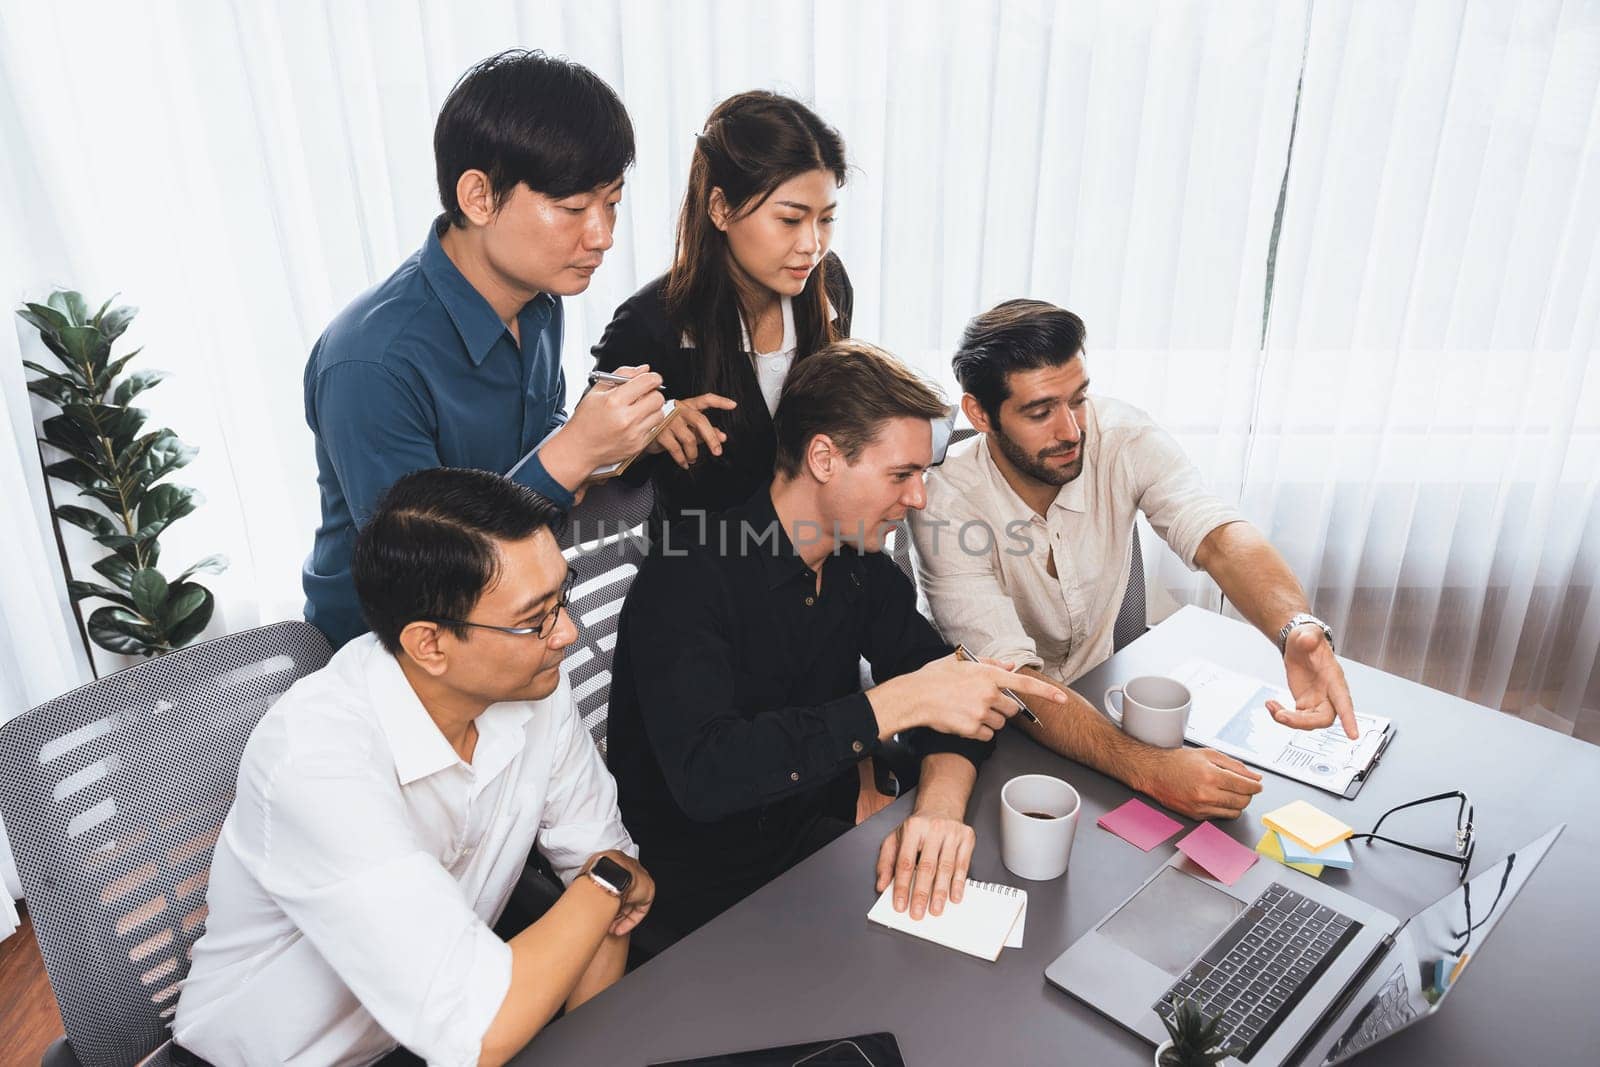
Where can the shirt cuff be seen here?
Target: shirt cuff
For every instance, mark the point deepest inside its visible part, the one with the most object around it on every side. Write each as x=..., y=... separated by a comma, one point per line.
x=927, y=742
x=535, y=477
x=852, y=728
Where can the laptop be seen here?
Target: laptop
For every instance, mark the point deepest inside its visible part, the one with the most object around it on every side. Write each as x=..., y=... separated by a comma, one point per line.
x=1298, y=971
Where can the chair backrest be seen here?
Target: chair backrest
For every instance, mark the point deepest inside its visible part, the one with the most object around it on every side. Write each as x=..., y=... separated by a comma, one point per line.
x=114, y=795
x=1131, y=615
x=606, y=510
x=605, y=571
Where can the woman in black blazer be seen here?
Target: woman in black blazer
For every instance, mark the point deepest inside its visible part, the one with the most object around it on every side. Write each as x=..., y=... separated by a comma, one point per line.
x=752, y=290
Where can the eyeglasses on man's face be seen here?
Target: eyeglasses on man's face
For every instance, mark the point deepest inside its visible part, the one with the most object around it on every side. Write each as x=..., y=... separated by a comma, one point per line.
x=545, y=626
x=1464, y=842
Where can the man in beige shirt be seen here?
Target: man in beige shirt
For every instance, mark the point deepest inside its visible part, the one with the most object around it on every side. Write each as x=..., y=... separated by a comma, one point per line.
x=1024, y=547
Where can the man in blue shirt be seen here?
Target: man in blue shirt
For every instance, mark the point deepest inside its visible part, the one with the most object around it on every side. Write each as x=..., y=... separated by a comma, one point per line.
x=455, y=359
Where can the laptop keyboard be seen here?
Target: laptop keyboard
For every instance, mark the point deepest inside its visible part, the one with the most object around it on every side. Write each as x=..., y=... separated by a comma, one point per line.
x=1257, y=971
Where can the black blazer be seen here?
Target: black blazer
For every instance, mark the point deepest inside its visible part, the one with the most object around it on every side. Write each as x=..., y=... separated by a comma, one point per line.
x=640, y=333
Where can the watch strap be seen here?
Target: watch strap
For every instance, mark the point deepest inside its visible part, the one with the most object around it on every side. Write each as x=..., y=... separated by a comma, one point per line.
x=1303, y=619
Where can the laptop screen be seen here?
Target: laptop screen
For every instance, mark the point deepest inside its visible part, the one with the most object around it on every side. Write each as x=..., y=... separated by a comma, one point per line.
x=1434, y=948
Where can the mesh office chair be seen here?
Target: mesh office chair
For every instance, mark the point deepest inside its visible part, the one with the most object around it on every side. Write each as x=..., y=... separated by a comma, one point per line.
x=114, y=795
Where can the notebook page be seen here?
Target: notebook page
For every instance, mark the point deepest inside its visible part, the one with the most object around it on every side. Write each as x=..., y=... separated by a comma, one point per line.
x=980, y=925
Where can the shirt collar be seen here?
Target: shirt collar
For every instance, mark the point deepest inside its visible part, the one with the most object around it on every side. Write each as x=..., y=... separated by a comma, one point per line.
x=790, y=340
x=475, y=321
x=418, y=747
x=780, y=559
x=1070, y=497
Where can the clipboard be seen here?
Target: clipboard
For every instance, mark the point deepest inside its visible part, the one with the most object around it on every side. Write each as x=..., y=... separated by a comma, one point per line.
x=1228, y=714
x=1354, y=788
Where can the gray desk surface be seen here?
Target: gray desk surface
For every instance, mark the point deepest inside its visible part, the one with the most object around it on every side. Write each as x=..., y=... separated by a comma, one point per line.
x=798, y=960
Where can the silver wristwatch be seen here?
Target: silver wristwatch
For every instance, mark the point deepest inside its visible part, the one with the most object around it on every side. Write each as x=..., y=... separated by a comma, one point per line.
x=1303, y=619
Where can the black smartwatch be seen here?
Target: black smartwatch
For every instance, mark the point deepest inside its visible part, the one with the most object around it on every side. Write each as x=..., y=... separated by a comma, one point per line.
x=611, y=876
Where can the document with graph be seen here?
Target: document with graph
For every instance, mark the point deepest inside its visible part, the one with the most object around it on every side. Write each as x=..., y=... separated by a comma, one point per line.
x=1230, y=715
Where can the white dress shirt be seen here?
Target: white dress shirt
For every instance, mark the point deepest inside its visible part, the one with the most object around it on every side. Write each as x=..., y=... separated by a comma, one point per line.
x=362, y=862
x=982, y=554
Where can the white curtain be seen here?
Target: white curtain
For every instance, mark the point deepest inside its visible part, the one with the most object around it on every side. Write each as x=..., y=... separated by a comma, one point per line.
x=1416, y=425
x=1426, y=444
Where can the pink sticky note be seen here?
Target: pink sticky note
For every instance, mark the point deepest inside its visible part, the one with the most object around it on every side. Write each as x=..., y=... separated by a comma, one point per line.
x=1139, y=824
x=1223, y=857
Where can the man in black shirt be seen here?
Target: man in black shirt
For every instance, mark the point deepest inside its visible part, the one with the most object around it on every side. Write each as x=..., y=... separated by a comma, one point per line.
x=737, y=723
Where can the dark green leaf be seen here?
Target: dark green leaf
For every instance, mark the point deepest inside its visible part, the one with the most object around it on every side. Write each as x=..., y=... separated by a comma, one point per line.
x=181, y=631
x=85, y=519
x=123, y=426
x=54, y=375
x=115, y=322
x=71, y=304
x=210, y=565
x=75, y=471
x=166, y=456
x=149, y=592
x=82, y=342
x=114, y=368
x=120, y=630
x=136, y=383
x=133, y=455
x=165, y=504
x=119, y=570
x=183, y=600
x=42, y=317
x=81, y=590
x=66, y=434
x=54, y=390
x=106, y=494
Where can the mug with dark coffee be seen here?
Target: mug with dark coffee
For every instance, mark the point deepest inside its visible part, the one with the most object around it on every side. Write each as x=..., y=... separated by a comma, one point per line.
x=1038, y=820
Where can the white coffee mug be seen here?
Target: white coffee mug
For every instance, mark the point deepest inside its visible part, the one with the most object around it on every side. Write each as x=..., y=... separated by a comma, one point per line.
x=1038, y=820
x=1152, y=709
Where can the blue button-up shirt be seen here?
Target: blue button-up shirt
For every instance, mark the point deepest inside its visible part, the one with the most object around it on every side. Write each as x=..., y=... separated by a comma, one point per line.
x=420, y=372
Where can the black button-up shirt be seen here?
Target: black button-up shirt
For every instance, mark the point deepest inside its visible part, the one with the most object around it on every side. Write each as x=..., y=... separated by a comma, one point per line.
x=737, y=718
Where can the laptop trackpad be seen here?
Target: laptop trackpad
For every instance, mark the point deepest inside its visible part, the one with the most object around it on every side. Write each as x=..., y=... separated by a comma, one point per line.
x=1171, y=920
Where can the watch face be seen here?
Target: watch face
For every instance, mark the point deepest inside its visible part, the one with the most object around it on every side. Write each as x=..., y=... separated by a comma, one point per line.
x=614, y=873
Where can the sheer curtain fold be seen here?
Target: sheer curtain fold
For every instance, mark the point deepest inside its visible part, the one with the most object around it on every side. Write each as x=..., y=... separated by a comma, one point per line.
x=1419, y=431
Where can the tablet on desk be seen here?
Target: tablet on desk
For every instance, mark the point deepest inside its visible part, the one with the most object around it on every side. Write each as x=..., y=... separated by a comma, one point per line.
x=863, y=1050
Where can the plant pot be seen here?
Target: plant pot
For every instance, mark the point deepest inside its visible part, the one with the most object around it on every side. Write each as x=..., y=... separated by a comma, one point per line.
x=1162, y=1048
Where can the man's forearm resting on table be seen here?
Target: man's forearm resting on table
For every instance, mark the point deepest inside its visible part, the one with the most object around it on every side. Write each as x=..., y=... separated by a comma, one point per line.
x=552, y=963
x=945, y=785
x=1082, y=733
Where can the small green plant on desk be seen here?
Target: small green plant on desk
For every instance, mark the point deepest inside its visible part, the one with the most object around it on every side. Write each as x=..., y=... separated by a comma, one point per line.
x=1194, y=1038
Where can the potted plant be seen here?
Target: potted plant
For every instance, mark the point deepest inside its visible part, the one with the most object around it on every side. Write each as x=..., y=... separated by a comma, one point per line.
x=1194, y=1038
x=117, y=464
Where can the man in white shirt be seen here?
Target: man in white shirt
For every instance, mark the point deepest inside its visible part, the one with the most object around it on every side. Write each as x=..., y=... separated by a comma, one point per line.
x=1024, y=550
x=387, y=805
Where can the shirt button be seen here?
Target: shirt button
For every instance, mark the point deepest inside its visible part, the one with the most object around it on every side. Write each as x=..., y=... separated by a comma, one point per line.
x=810, y=600
x=856, y=746
x=794, y=776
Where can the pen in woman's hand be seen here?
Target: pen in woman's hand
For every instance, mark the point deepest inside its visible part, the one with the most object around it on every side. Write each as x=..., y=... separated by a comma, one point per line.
x=598, y=376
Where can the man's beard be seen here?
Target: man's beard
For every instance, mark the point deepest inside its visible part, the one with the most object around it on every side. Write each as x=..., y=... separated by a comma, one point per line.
x=1038, y=466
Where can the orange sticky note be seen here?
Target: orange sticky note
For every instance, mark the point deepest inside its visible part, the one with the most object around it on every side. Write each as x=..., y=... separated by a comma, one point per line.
x=1311, y=826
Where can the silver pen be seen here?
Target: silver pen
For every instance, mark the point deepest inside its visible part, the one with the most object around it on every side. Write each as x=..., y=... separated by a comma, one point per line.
x=597, y=376
x=962, y=652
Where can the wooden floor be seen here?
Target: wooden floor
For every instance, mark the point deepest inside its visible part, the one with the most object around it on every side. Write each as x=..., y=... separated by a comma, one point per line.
x=28, y=1017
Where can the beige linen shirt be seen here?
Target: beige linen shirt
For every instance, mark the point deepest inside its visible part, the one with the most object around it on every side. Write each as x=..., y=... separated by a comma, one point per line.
x=982, y=554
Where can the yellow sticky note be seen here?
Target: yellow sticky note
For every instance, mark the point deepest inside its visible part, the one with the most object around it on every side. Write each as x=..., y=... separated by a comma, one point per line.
x=1310, y=826
x=1270, y=847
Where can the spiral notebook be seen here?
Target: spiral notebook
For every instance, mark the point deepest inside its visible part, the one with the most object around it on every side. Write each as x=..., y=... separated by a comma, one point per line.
x=989, y=918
